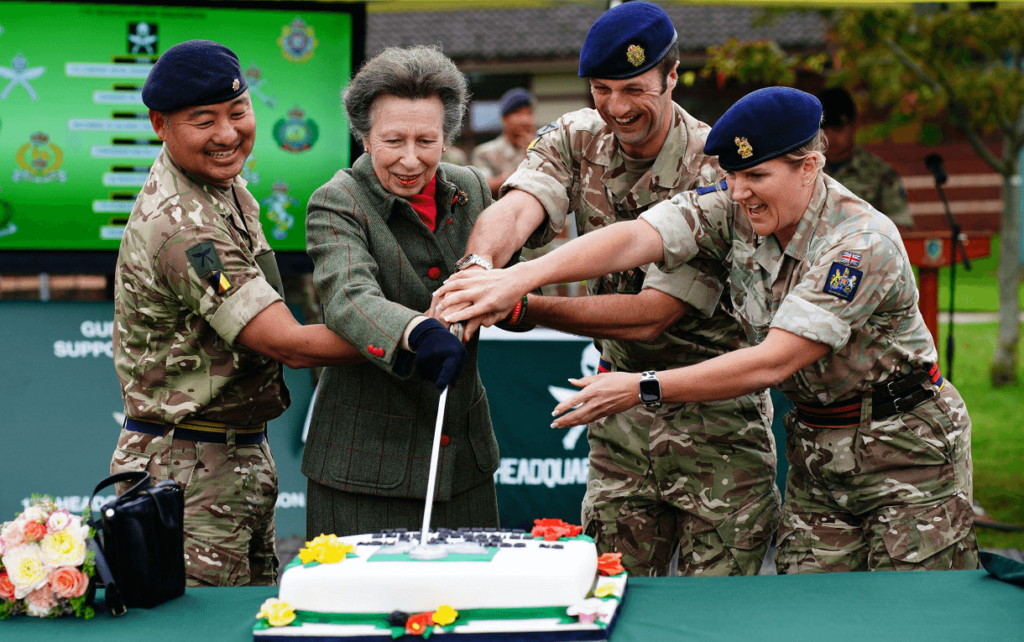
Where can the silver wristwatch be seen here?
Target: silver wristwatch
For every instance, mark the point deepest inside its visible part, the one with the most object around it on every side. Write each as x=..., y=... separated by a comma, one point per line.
x=650, y=389
x=472, y=259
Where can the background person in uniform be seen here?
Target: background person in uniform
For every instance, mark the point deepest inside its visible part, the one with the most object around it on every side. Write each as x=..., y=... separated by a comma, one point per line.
x=383, y=236
x=200, y=328
x=879, y=445
x=700, y=476
x=860, y=171
x=497, y=159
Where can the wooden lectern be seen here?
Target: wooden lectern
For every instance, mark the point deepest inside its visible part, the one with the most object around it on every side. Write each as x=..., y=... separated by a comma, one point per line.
x=930, y=251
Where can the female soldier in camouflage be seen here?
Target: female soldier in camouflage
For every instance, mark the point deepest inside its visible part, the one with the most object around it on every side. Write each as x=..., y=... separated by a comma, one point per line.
x=879, y=444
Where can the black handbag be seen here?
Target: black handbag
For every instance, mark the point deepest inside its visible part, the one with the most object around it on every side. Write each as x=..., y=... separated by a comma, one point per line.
x=139, y=543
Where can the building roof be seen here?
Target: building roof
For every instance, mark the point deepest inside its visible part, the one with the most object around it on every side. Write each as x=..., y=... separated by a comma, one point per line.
x=559, y=31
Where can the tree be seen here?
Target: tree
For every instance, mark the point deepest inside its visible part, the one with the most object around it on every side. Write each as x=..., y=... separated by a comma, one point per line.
x=959, y=63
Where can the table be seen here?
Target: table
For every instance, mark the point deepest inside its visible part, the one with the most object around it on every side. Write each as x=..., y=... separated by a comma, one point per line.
x=934, y=606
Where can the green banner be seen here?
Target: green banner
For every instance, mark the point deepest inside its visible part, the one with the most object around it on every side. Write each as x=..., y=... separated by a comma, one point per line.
x=76, y=143
x=62, y=412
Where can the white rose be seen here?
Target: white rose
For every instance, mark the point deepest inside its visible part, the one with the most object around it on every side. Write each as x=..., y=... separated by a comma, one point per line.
x=26, y=569
x=64, y=548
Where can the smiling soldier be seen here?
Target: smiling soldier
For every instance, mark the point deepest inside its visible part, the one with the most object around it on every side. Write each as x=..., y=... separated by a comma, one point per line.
x=694, y=477
x=200, y=327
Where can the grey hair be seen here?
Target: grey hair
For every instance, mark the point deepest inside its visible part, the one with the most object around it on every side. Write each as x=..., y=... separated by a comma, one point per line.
x=407, y=72
x=813, y=148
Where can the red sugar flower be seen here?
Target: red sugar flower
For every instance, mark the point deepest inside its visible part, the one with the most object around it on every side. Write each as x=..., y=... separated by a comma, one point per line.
x=419, y=623
x=552, y=529
x=610, y=564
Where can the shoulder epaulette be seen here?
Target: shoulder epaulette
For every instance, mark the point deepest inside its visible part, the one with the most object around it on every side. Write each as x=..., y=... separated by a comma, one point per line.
x=721, y=185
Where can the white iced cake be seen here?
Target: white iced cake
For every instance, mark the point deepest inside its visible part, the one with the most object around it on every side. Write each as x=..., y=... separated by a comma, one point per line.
x=493, y=581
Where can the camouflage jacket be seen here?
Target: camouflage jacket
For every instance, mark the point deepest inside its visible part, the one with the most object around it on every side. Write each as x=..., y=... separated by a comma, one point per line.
x=376, y=268
x=496, y=157
x=575, y=165
x=872, y=179
x=843, y=280
x=175, y=321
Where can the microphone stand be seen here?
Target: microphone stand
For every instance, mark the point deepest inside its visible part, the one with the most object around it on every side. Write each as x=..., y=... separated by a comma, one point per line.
x=934, y=164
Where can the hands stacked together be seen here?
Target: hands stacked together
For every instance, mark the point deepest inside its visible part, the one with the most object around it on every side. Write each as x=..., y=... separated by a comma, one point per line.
x=478, y=297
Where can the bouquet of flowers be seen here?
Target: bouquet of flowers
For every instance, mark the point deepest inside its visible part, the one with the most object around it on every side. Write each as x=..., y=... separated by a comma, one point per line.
x=45, y=569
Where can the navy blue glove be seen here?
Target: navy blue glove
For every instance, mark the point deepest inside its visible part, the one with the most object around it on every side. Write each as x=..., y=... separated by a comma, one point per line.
x=440, y=356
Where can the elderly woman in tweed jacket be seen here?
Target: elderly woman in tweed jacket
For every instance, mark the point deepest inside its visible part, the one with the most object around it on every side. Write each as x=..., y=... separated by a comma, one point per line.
x=384, y=235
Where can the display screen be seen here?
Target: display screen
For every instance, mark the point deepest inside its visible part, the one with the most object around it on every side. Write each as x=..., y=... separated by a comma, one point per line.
x=76, y=143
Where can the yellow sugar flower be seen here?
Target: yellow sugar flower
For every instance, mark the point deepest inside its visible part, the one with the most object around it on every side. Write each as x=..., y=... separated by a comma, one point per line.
x=325, y=549
x=278, y=613
x=445, y=615
x=605, y=590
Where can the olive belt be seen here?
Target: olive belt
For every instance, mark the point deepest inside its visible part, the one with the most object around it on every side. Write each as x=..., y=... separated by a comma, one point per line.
x=198, y=430
x=893, y=397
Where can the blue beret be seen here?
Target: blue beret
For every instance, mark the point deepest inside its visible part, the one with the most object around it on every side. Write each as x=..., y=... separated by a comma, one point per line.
x=626, y=41
x=196, y=72
x=762, y=125
x=513, y=99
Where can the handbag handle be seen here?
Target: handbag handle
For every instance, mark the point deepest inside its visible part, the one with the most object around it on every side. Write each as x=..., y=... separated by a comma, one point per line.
x=141, y=479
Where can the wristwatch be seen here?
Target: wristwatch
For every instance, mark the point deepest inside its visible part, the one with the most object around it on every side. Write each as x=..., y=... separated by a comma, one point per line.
x=650, y=389
x=472, y=259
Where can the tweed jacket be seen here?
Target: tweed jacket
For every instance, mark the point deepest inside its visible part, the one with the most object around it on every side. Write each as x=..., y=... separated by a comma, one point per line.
x=376, y=267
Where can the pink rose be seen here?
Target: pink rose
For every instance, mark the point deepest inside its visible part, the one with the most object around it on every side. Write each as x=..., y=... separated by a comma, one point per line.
x=68, y=582
x=6, y=587
x=40, y=602
x=35, y=531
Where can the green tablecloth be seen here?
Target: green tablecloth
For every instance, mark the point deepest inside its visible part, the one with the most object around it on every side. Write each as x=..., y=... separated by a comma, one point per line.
x=905, y=607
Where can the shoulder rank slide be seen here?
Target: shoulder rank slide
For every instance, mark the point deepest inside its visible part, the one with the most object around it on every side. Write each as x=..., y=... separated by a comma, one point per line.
x=721, y=185
x=842, y=281
x=203, y=258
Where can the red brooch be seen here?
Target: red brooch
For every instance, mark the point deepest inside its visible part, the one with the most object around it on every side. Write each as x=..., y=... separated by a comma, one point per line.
x=552, y=529
x=375, y=351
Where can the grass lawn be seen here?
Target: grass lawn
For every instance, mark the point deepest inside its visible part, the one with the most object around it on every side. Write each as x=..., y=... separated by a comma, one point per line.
x=977, y=290
x=997, y=442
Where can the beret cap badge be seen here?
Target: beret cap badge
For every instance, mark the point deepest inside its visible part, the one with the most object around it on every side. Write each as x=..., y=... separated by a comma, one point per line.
x=743, y=147
x=635, y=55
x=234, y=85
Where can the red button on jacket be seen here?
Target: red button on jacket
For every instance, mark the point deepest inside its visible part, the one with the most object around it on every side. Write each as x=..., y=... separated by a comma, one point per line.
x=445, y=440
x=434, y=273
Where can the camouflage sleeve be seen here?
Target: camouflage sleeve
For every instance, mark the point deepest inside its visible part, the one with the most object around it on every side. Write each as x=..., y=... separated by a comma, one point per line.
x=688, y=284
x=344, y=274
x=691, y=225
x=211, y=275
x=892, y=199
x=842, y=288
x=547, y=174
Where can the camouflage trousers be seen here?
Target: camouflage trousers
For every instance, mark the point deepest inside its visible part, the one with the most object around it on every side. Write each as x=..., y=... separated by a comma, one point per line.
x=885, y=495
x=697, y=477
x=230, y=493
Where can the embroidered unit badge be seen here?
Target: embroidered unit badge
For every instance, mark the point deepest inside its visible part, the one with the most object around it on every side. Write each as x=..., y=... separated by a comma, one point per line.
x=743, y=145
x=842, y=281
x=219, y=281
x=850, y=258
x=203, y=258
x=540, y=132
x=635, y=55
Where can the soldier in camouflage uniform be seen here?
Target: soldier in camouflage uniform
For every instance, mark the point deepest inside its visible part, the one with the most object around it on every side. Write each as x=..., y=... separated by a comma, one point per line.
x=857, y=169
x=697, y=476
x=200, y=327
x=498, y=158
x=879, y=444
